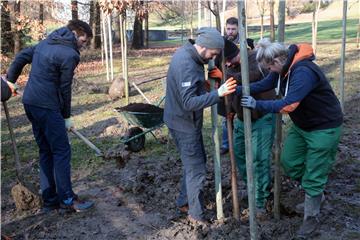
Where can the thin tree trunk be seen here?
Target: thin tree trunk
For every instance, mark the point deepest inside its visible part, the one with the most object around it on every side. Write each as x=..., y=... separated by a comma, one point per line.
x=315, y=24
x=146, y=31
x=105, y=47
x=247, y=121
x=261, y=26
x=281, y=21
x=199, y=14
x=342, y=60
x=272, y=22
x=191, y=20
x=74, y=10
x=41, y=13
x=17, y=33
x=7, y=43
x=110, y=47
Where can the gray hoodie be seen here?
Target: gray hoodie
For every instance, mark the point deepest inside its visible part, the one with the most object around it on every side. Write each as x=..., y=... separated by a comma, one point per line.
x=185, y=93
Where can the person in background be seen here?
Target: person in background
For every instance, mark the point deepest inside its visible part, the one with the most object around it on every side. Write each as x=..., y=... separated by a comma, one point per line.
x=311, y=144
x=232, y=34
x=186, y=97
x=262, y=131
x=47, y=104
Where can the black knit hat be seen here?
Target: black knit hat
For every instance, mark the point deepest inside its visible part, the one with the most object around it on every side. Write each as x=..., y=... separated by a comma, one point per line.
x=230, y=49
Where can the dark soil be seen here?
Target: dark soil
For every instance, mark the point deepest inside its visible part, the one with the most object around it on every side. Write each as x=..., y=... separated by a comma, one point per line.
x=140, y=107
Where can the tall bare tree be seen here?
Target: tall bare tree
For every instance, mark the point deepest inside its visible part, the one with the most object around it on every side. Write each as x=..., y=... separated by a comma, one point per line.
x=272, y=22
x=74, y=10
x=262, y=9
x=17, y=28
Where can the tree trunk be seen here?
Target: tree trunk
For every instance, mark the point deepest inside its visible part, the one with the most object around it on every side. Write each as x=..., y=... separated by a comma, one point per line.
x=41, y=13
x=74, y=10
x=272, y=23
x=138, y=38
x=97, y=35
x=7, y=43
x=117, y=30
x=146, y=32
x=281, y=22
x=217, y=15
x=17, y=33
x=315, y=24
x=261, y=26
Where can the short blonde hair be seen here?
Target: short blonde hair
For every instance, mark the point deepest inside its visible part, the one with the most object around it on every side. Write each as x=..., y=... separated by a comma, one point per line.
x=268, y=51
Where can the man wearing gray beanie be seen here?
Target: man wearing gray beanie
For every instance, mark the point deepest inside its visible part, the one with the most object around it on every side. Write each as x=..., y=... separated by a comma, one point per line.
x=186, y=98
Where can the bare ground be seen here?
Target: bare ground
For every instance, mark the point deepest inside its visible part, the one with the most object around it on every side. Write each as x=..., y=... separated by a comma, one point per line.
x=137, y=202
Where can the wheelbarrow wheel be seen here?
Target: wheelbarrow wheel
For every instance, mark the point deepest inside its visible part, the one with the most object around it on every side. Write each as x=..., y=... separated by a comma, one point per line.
x=137, y=143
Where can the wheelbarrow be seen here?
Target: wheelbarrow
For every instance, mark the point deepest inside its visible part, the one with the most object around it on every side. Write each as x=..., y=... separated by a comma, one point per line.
x=145, y=118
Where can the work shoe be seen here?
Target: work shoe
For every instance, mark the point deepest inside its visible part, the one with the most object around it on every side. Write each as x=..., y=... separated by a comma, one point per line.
x=224, y=151
x=75, y=205
x=182, y=210
x=309, y=225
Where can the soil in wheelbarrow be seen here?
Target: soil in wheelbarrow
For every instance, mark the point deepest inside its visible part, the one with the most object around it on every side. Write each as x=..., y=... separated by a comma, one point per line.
x=140, y=107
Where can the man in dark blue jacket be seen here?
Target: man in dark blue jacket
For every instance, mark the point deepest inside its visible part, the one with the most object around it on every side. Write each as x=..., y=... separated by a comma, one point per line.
x=47, y=103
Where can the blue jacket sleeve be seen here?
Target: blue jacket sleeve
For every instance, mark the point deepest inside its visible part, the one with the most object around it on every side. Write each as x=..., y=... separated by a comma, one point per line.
x=302, y=81
x=67, y=69
x=22, y=58
x=267, y=83
x=190, y=86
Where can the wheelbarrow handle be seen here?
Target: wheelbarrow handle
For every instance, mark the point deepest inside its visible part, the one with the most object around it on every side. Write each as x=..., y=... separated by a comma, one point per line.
x=87, y=141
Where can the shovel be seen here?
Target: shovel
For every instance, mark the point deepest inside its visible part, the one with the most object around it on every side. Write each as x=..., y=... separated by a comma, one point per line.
x=24, y=194
x=87, y=141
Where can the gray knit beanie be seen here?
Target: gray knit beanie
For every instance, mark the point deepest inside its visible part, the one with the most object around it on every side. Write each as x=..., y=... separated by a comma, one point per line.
x=209, y=38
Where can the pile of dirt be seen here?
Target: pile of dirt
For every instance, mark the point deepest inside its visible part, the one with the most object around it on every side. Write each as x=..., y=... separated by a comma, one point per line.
x=24, y=198
x=140, y=107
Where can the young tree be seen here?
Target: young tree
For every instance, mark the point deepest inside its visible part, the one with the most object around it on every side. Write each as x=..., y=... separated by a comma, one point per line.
x=314, y=25
x=262, y=9
x=272, y=22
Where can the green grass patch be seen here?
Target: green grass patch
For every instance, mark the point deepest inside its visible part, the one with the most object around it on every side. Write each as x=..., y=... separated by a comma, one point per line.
x=327, y=30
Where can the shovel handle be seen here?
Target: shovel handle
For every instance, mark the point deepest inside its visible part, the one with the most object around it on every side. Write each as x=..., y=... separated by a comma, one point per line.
x=12, y=137
x=87, y=141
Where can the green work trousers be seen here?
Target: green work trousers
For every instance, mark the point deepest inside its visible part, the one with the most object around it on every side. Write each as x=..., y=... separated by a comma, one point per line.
x=262, y=137
x=309, y=156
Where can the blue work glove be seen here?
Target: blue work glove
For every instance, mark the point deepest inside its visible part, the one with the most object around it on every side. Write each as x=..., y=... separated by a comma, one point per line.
x=248, y=101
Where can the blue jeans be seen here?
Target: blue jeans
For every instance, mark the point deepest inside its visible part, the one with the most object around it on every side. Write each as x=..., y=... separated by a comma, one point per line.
x=55, y=153
x=225, y=140
x=193, y=157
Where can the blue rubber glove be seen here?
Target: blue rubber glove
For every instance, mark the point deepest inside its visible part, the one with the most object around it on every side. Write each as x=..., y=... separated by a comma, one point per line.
x=248, y=101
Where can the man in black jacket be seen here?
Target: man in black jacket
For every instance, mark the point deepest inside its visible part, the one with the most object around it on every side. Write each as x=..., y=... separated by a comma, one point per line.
x=47, y=103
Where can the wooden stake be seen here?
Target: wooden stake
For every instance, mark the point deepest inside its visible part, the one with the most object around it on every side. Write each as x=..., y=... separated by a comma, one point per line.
x=216, y=156
x=247, y=120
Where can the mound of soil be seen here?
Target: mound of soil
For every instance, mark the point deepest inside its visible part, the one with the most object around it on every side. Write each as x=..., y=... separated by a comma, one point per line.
x=140, y=107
